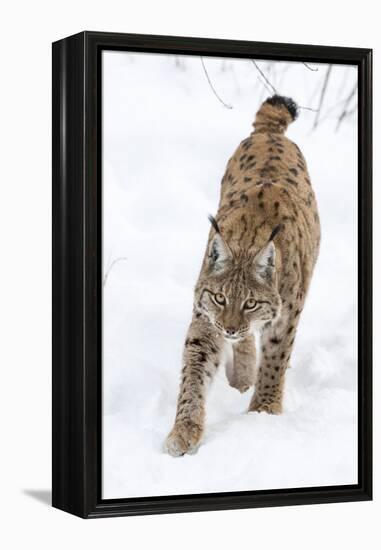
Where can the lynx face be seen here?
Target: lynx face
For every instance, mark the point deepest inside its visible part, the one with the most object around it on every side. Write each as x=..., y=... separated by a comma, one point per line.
x=239, y=295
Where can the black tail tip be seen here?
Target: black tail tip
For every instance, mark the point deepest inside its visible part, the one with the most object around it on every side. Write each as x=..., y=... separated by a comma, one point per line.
x=287, y=102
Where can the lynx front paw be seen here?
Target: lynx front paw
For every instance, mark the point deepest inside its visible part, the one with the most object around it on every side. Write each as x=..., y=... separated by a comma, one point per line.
x=271, y=408
x=240, y=379
x=184, y=438
x=240, y=384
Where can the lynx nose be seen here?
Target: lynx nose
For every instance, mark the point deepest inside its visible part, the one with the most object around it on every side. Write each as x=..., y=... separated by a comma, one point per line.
x=230, y=331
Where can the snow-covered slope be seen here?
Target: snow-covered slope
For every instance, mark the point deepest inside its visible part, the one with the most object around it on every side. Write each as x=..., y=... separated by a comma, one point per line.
x=167, y=139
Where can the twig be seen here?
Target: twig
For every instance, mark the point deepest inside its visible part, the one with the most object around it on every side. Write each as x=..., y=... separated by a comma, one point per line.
x=270, y=87
x=212, y=87
x=308, y=108
x=353, y=110
x=179, y=63
x=344, y=112
x=343, y=82
x=312, y=96
x=121, y=259
x=314, y=69
x=322, y=95
x=330, y=110
x=283, y=72
x=348, y=114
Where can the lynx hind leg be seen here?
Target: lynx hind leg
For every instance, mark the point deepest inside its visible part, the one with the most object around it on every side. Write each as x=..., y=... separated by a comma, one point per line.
x=241, y=371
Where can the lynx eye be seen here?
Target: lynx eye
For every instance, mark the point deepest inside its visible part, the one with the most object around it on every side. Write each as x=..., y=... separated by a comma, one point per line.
x=220, y=299
x=250, y=303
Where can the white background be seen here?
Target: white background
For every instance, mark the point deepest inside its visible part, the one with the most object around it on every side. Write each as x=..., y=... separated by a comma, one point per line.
x=26, y=32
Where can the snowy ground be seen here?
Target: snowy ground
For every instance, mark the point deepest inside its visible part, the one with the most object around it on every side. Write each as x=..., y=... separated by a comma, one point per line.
x=166, y=143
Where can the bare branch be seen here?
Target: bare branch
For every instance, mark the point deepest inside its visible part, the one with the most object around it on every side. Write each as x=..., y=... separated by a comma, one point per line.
x=343, y=82
x=180, y=63
x=330, y=110
x=308, y=108
x=272, y=88
x=316, y=91
x=314, y=69
x=351, y=111
x=282, y=75
x=212, y=87
x=344, y=112
x=322, y=95
x=113, y=263
x=268, y=84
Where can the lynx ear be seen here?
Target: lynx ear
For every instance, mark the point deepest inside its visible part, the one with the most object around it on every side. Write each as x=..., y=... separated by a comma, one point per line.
x=265, y=261
x=219, y=251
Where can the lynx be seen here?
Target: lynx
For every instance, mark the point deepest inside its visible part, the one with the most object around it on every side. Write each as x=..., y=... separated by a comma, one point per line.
x=261, y=252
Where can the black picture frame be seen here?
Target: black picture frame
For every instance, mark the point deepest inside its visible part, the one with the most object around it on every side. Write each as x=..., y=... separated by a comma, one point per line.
x=77, y=288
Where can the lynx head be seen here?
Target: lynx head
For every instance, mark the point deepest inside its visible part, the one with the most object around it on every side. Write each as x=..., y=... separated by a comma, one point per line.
x=238, y=292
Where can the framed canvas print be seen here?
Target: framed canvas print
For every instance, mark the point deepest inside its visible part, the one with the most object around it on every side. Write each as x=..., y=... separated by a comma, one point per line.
x=211, y=274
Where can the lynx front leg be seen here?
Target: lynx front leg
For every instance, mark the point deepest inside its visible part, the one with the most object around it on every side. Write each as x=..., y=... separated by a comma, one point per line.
x=201, y=358
x=241, y=374
x=277, y=343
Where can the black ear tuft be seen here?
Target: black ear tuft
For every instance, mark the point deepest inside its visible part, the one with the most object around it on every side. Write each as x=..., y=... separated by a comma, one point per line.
x=275, y=232
x=214, y=223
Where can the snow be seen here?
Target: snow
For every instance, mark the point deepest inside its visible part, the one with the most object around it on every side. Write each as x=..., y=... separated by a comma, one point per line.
x=167, y=140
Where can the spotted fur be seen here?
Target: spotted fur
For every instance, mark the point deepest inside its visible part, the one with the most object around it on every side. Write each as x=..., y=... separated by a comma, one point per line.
x=256, y=271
